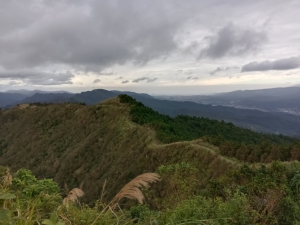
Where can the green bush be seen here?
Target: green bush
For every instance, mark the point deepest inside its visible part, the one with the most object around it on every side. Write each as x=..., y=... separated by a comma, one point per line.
x=198, y=210
x=24, y=180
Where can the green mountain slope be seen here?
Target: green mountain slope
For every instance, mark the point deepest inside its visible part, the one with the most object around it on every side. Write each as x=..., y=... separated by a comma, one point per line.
x=74, y=143
x=243, y=144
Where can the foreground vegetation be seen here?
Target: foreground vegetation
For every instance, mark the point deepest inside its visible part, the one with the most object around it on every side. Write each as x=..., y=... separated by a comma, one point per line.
x=261, y=194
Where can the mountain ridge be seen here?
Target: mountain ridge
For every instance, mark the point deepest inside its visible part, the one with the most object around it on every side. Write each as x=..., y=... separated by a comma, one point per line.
x=253, y=118
x=73, y=143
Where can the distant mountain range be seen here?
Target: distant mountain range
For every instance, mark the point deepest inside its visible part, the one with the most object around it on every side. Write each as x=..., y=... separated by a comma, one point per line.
x=274, y=100
x=267, y=119
x=11, y=98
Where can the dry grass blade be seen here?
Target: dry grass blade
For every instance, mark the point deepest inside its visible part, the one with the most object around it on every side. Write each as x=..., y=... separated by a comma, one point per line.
x=7, y=179
x=73, y=196
x=66, y=188
x=103, y=193
x=132, y=189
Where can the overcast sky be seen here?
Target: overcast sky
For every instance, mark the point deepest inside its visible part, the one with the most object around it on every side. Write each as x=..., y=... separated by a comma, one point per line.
x=152, y=46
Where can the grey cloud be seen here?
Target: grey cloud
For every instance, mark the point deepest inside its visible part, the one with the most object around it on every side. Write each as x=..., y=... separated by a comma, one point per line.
x=125, y=82
x=281, y=64
x=38, y=78
x=233, y=41
x=192, y=78
x=89, y=36
x=149, y=80
x=216, y=71
x=119, y=78
x=96, y=81
x=13, y=83
x=139, y=79
x=221, y=69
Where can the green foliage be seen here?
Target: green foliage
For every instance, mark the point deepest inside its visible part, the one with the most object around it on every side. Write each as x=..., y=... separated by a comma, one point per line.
x=181, y=176
x=23, y=178
x=234, y=210
x=248, y=195
x=296, y=181
x=140, y=212
x=6, y=196
x=54, y=220
x=270, y=191
x=32, y=187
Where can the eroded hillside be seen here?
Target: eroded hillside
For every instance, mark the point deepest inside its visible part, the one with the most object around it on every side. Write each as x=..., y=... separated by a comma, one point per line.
x=75, y=143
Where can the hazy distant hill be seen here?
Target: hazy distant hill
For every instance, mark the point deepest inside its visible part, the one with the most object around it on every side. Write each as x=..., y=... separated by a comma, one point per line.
x=133, y=94
x=47, y=98
x=275, y=99
x=98, y=95
x=8, y=98
x=13, y=97
x=30, y=93
x=93, y=97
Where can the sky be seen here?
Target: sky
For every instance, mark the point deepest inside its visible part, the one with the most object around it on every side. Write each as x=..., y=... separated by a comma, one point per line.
x=151, y=46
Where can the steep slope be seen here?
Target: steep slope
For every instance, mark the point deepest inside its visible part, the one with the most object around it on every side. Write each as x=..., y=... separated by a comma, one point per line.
x=75, y=143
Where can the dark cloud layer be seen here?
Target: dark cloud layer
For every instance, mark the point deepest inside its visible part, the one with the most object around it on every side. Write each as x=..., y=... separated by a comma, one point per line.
x=91, y=36
x=281, y=64
x=38, y=78
x=96, y=37
x=232, y=41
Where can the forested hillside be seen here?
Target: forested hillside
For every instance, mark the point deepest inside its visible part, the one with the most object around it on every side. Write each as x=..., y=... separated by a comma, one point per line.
x=75, y=143
x=243, y=144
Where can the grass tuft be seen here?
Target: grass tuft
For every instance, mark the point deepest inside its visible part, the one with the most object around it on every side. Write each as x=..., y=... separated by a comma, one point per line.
x=132, y=189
